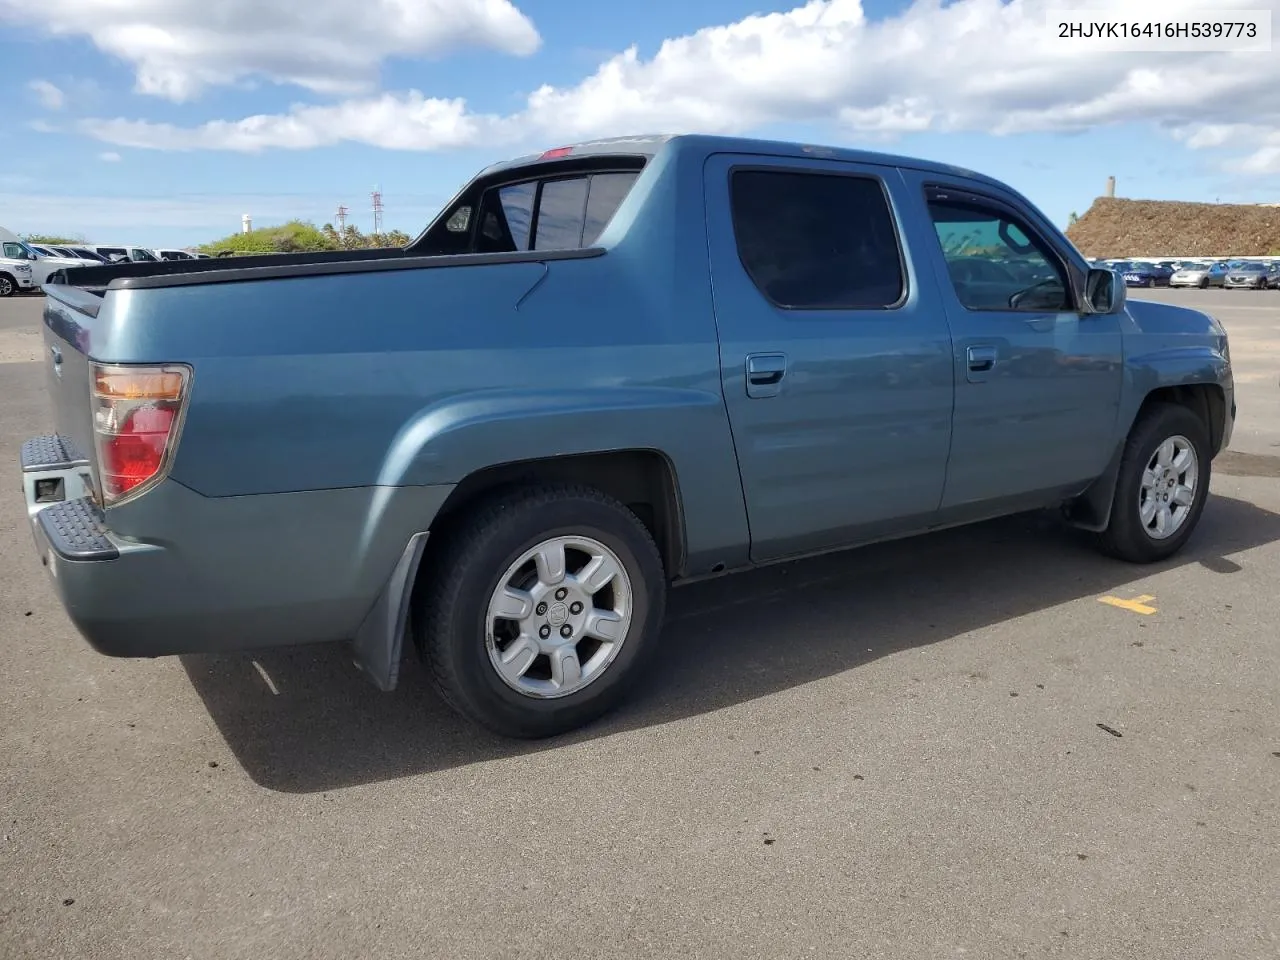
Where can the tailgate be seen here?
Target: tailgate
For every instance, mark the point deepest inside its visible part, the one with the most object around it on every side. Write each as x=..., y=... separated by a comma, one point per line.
x=70, y=318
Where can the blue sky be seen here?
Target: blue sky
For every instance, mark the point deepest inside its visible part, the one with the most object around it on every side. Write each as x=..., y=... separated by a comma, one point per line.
x=161, y=123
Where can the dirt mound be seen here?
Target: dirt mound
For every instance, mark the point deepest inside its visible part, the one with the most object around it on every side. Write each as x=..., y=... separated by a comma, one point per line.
x=1137, y=228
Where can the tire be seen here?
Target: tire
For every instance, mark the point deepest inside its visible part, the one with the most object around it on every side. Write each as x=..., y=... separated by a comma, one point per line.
x=8, y=286
x=1127, y=537
x=462, y=645
x=1204, y=284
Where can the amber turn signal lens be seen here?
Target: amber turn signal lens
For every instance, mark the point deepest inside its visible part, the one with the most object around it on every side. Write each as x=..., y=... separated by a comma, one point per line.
x=121, y=383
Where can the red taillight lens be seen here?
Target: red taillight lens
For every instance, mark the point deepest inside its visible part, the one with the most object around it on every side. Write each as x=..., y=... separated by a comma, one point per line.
x=136, y=412
x=556, y=154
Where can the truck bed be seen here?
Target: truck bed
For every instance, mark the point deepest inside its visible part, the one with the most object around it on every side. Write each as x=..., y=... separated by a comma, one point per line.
x=275, y=266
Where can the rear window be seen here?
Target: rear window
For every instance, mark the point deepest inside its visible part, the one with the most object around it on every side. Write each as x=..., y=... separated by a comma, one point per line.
x=561, y=213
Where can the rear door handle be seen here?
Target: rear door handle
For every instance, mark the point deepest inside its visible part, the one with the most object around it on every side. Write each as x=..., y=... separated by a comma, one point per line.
x=981, y=359
x=764, y=374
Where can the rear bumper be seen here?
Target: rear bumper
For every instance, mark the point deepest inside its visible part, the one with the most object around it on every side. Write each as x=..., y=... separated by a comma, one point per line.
x=175, y=572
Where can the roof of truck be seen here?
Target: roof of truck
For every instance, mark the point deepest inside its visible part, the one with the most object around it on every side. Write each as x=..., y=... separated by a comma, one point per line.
x=650, y=144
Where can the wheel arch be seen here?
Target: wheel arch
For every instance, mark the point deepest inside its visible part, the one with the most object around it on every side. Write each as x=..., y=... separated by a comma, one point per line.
x=644, y=479
x=1092, y=509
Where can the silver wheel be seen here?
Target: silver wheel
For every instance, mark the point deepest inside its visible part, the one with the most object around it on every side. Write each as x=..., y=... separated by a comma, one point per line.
x=6, y=287
x=558, y=617
x=1168, y=488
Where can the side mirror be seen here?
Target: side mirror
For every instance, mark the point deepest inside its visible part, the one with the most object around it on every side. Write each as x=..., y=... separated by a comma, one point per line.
x=1104, y=291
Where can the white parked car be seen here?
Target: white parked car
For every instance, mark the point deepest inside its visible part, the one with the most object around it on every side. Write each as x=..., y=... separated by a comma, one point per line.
x=117, y=252
x=170, y=253
x=40, y=266
x=47, y=252
x=15, y=272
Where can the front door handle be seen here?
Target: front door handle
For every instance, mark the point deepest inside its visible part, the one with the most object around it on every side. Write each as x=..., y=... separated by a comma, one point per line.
x=981, y=359
x=764, y=374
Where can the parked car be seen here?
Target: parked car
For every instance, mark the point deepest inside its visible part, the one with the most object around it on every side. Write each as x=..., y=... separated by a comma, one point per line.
x=1199, y=275
x=63, y=256
x=601, y=371
x=1145, y=275
x=169, y=253
x=40, y=265
x=84, y=253
x=15, y=273
x=124, y=253
x=1249, y=275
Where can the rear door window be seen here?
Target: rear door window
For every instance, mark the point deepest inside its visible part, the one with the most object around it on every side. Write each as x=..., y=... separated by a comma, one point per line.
x=817, y=241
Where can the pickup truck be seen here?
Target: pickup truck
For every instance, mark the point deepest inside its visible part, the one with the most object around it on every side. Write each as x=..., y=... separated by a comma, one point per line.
x=601, y=371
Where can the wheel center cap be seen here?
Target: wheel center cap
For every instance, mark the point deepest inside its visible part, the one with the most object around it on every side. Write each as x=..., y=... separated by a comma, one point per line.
x=557, y=614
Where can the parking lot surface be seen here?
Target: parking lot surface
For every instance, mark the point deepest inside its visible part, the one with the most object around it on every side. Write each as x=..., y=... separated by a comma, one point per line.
x=989, y=742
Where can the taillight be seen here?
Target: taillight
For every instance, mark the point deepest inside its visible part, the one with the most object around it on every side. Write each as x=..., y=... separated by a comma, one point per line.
x=137, y=412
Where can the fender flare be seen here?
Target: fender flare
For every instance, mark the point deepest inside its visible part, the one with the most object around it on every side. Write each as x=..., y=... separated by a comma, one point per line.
x=1092, y=509
x=446, y=442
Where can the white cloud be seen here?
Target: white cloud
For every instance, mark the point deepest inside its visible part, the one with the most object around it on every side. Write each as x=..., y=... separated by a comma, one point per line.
x=109, y=156
x=975, y=65
x=179, y=47
x=49, y=96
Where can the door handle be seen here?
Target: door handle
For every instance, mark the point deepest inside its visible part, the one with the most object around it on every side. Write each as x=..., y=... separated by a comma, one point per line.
x=57, y=355
x=764, y=374
x=981, y=359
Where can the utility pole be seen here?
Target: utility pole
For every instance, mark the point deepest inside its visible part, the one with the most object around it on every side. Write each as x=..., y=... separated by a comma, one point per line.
x=341, y=217
x=377, y=211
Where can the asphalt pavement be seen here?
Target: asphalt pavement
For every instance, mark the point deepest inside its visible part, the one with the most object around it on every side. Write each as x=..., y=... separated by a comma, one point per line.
x=990, y=742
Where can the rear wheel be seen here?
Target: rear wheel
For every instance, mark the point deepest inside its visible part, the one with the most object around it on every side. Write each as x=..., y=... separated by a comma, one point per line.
x=1162, y=486
x=1204, y=283
x=8, y=286
x=539, y=611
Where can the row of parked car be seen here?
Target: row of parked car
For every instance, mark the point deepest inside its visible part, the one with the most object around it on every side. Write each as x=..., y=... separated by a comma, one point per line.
x=27, y=266
x=1243, y=274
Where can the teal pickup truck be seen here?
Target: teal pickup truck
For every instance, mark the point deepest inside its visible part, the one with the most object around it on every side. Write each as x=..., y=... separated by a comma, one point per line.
x=601, y=371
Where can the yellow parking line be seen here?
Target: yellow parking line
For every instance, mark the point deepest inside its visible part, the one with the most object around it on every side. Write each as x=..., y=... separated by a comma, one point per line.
x=1140, y=604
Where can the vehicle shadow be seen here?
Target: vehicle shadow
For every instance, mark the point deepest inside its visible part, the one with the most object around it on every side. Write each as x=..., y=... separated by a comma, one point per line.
x=302, y=720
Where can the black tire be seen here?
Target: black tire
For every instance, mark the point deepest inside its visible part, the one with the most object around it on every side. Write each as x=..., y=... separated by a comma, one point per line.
x=1126, y=537
x=8, y=285
x=463, y=570
x=1204, y=284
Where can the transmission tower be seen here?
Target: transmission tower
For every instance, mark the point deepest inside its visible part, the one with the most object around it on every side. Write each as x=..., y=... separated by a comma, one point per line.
x=377, y=211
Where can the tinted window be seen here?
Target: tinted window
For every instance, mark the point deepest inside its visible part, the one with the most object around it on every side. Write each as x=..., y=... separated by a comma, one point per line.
x=505, y=219
x=997, y=262
x=817, y=241
x=14, y=251
x=560, y=214
x=607, y=192
x=142, y=255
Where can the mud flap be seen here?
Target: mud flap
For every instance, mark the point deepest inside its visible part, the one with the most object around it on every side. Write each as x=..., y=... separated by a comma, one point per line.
x=379, y=642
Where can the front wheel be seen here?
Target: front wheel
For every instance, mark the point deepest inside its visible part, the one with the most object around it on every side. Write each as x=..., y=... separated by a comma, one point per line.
x=8, y=287
x=538, y=612
x=1162, y=486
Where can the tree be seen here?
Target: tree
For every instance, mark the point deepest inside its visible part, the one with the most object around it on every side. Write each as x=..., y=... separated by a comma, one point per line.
x=51, y=238
x=1071, y=220
x=296, y=236
x=301, y=236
